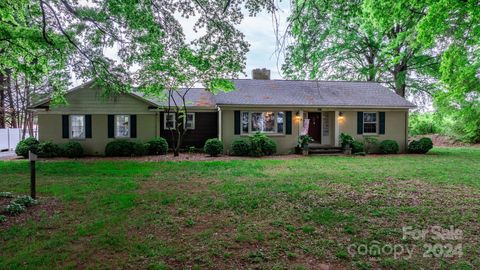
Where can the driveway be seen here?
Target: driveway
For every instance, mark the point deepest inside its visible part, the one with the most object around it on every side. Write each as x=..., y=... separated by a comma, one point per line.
x=7, y=155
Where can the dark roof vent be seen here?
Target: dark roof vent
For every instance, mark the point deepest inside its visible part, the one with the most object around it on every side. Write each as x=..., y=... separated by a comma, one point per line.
x=261, y=74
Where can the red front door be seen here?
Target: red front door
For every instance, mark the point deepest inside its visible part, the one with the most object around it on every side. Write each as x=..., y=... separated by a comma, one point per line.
x=315, y=126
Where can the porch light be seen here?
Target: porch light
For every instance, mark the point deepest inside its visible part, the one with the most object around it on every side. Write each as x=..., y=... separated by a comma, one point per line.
x=297, y=115
x=340, y=116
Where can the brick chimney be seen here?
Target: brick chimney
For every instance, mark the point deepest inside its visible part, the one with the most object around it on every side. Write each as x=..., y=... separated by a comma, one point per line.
x=261, y=74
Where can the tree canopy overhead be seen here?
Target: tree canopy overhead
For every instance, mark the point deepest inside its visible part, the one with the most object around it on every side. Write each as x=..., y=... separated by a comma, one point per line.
x=38, y=37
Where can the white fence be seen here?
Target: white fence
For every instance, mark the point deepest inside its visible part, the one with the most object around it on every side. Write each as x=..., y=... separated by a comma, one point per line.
x=9, y=138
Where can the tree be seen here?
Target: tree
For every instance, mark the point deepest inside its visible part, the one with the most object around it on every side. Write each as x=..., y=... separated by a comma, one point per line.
x=363, y=40
x=38, y=39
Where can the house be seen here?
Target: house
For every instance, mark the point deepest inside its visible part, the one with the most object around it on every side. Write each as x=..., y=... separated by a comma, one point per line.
x=282, y=109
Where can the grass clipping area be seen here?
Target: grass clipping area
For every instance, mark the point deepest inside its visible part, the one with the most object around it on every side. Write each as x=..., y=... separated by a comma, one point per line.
x=306, y=213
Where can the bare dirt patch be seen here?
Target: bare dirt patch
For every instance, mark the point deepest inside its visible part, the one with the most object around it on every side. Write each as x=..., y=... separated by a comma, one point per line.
x=46, y=207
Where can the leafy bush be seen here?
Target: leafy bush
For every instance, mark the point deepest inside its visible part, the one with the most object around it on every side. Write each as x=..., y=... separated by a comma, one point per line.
x=48, y=150
x=6, y=194
x=389, y=147
x=357, y=146
x=29, y=144
x=72, y=150
x=3, y=218
x=25, y=201
x=240, y=147
x=124, y=148
x=139, y=149
x=262, y=145
x=14, y=208
x=346, y=140
x=421, y=146
x=370, y=144
x=304, y=140
x=157, y=146
x=213, y=147
x=426, y=123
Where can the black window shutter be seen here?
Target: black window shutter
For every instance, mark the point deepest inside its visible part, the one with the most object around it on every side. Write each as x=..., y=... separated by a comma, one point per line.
x=381, y=129
x=65, y=127
x=237, y=122
x=133, y=126
x=288, y=122
x=88, y=126
x=359, y=122
x=111, y=126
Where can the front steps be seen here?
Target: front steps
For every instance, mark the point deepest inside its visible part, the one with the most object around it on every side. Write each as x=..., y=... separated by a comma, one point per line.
x=318, y=149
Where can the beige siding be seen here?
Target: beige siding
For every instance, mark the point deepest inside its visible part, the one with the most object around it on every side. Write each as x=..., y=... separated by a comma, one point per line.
x=394, y=126
x=50, y=129
x=91, y=100
x=285, y=143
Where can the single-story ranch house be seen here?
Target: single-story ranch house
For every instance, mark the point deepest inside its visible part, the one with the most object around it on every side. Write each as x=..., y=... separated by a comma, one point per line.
x=282, y=109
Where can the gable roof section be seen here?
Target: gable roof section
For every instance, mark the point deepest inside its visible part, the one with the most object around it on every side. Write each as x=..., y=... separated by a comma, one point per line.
x=270, y=93
x=311, y=93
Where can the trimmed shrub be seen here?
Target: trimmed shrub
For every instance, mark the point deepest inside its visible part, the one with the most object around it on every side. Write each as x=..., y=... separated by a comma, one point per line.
x=72, y=150
x=421, y=146
x=262, y=145
x=6, y=194
x=270, y=147
x=157, y=146
x=29, y=144
x=3, y=218
x=357, y=147
x=213, y=147
x=124, y=148
x=48, y=150
x=14, y=208
x=389, y=147
x=139, y=149
x=26, y=201
x=240, y=147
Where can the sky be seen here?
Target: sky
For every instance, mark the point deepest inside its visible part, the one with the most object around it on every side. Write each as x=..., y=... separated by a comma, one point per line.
x=260, y=33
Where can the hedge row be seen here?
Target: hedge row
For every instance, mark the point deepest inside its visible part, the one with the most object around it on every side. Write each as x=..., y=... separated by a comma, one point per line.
x=257, y=145
x=48, y=149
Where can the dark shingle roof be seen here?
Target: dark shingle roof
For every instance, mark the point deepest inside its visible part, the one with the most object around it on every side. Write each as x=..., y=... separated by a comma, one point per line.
x=311, y=93
x=196, y=97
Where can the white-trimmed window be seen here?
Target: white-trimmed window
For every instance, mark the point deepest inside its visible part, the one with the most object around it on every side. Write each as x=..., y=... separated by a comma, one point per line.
x=190, y=121
x=265, y=122
x=122, y=126
x=169, y=121
x=77, y=126
x=369, y=123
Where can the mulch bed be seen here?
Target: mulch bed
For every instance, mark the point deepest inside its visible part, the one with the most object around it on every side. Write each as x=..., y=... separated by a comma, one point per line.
x=45, y=207
x=181, y=157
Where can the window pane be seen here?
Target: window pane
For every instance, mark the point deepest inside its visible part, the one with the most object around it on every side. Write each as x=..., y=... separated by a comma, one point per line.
x=370, y=128
x=77, y=123
x=244, y=122
x=370, y=117
x=190, y=124
x=263, y=122
x=280, y=117
x=170, y=121
x=122, y=126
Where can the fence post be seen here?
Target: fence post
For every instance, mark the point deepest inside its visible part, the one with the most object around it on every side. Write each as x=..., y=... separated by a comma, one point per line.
x=8, y=139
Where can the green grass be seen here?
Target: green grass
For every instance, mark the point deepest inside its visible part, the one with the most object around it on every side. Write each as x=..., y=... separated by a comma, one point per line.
x=255, y=213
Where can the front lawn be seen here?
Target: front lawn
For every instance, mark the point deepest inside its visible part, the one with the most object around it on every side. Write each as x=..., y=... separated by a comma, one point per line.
x=304, y=213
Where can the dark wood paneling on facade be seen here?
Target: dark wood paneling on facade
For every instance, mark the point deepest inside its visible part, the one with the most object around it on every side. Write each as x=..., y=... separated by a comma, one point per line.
x=206, y=127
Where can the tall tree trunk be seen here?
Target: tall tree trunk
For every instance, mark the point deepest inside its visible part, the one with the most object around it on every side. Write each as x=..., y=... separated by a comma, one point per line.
x=2, y=100
x=399, y=76
x=11, y=105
